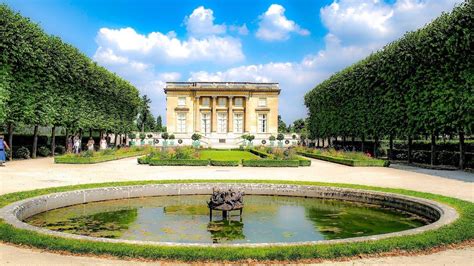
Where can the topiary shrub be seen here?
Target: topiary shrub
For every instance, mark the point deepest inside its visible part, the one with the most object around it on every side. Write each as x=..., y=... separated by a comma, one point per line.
x=22, y=153
x=149, y=136
x=60, y=149
x=196, y=137
x=272, y=138
x=132, y=136
x=165, y=135
x=172, y=136
x=44, y=151
x=280, y=137
x=142, y=136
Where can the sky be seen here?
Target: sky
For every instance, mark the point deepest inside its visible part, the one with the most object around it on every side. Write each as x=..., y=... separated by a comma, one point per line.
x=297, y=43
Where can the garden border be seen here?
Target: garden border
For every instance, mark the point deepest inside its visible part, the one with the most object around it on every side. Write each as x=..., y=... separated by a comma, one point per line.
x=456, y=232
x=348, y=162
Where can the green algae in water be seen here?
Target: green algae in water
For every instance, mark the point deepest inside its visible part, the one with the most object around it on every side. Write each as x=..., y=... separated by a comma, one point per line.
x=185, y=219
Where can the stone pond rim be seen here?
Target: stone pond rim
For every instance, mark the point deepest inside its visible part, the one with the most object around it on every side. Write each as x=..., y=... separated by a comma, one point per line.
x=440, y=214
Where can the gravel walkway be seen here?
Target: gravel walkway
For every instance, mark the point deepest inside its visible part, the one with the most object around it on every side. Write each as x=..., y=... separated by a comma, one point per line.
x=42, y=173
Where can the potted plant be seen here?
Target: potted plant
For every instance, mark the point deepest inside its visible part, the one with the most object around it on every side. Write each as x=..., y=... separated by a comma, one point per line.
x=165, y=137
x=272, y=140
x=196, y=137
x=132, y=136
x=250, y=138
x=150, y=138
x=294, y=139
x=172, y=139
x=280, y=137
x=142, y=138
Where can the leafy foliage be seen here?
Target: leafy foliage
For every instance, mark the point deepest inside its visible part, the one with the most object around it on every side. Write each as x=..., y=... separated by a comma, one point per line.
x=419, y=84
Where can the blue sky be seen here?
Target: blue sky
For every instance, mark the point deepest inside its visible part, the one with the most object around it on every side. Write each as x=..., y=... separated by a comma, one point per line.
x=297, y=43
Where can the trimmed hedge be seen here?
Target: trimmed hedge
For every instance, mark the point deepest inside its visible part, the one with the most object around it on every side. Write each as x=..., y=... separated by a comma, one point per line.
x=225, y=163
x=303, y=161
x=260, y=153
x=270, y=163
x=349, y=162
x=98, y=159
x=178, y=162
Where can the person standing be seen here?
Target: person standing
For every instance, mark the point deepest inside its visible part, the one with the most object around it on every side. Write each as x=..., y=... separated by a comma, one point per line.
x=70, y=144
x=77, y=144
x=90, y=144
x=103, y=144
x=3, y=146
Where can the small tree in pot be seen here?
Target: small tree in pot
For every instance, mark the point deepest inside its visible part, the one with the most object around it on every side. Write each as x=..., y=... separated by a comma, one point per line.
x=280, y=138
x=250, y=138
x=172, y=139
x=272, y=140
x=142, y=138
x=196, y=137
x=132, y=136
x=165, y=136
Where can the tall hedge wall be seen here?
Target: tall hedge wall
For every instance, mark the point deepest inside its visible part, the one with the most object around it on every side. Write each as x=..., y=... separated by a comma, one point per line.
x=46, y=82
x=422, y=83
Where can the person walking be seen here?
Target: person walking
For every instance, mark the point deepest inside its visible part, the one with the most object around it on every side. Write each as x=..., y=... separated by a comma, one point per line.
x=3, y=146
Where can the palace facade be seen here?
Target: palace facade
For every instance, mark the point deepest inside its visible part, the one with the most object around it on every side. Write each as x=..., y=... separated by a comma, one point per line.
x=222, y=111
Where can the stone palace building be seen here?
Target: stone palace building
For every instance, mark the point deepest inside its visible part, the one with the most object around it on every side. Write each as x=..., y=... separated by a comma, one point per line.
x=222, y=111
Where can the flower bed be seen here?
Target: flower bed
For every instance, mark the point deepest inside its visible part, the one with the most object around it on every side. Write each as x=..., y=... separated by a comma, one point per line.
x=101, y=156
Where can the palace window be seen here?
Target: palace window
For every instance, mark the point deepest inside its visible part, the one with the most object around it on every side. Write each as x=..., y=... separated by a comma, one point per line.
x=181, y=101
x=238, y=123
x=262, y=123
x=221, y=101
x=205, y=101
x=221, y=122
x=205, y=123
x=181, y=125
x=239, y=102
x=262, y=102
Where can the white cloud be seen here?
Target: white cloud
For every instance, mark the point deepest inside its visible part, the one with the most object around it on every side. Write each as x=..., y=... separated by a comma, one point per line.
x=201, y=23
x=157, y=47
x=373, y=21
x=242, y=30
x=274, y=26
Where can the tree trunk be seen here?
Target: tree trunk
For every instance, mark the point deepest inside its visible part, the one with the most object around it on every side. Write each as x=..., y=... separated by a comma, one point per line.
x=317, y=145
x=53, y=140
x=409, y=149
x=390, y=154
x=362, y=144
x=10, y=139
x=461, y=150
x=323, y=142
x=115, y=139
x=433, y=151
x=353, y=143
x=67, y=136
x=344, y=140
x=376, y=144
x=35, y=142
x=329, y=142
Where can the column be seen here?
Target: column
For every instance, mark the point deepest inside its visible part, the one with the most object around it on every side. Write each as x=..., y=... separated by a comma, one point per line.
x=197, y=115
x=230, y=115
x=214, y=114
x=246, y=115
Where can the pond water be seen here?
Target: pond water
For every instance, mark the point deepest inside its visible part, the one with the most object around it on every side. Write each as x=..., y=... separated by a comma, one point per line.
x=185, y=219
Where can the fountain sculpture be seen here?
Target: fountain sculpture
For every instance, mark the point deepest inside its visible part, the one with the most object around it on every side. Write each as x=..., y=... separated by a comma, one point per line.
x=225, y=201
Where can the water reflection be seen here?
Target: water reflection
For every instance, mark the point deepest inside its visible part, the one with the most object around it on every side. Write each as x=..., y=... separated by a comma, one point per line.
x=185, y=219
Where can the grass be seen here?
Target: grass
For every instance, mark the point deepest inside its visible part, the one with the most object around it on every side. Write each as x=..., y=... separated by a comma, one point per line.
x=459, y=231
x=227, y=155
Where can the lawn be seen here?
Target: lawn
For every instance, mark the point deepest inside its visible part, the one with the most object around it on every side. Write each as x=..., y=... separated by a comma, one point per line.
x=227, y=155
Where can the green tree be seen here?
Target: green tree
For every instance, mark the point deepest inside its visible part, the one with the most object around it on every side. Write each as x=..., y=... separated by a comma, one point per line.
x=281, y=125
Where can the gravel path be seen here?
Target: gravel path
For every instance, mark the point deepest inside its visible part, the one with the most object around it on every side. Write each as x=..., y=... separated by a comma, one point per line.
x=42, y=173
